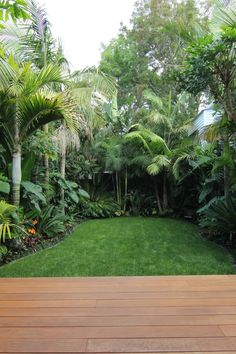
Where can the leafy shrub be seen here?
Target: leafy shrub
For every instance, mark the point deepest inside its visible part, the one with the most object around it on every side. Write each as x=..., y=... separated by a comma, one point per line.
x=50, y=222
x=219, y=215
x=33, y=194
x=99, y=209
x=4, y=184
x=72, y=192
x=141, y=204
x=3, y=252
x=6, y=224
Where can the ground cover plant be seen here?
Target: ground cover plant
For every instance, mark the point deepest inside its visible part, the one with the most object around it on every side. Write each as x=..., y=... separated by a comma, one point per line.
x=127, y=246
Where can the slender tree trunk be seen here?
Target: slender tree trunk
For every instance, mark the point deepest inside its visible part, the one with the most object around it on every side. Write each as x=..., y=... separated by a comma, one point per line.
x=226, y=151
x=45, y=127
x=16, y=175
x=63, y=169
x=117, y=188
x=226, y=181
x=165, y=197
x=113, y=183
x=126, y=188
x=157, y=197
x=46, y=162
x=35, y=172
x=16, y=164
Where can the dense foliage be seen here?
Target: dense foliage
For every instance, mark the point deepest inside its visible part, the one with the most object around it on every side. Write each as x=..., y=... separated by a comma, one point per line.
x=117, y=140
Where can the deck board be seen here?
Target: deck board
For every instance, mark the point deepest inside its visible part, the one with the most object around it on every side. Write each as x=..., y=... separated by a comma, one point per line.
x=173, y=314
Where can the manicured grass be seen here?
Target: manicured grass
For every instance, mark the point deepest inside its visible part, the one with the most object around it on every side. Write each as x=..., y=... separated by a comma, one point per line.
x=126, y=246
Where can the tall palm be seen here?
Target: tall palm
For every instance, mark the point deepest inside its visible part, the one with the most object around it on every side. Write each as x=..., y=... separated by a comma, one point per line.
x=90, y=89
x=169, y=119
x=109, y=151
x=32, y=41
x=151, y=154
x=27, y=103
x=222, y=133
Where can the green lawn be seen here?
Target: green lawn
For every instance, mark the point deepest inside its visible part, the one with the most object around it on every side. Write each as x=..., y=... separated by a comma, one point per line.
x=126, y=246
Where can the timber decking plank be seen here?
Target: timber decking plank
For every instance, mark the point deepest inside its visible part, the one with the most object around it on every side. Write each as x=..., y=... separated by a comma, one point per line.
x=229, y=330
x=118, y=295
x=118, y=345
x=173, y=314
x=117, y=321
x=47, y=303
x=166, y=302
x=116, y=288
x=107, y=312
x=111, y=332
x=43, y=345
x=161, y=344
x=118, y=303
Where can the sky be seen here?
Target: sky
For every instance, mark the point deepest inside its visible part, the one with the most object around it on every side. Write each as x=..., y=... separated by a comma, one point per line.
x=83, y=25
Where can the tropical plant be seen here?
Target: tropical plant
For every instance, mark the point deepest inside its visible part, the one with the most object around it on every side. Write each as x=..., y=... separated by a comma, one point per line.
x=110, y=153
x=6, y=224
x=219, y=215
x=27, y=104
x=3, y=252
x=13, y=9
x=104, y=208
x=33, y=195
x=4, y=184
x=151, y=156
x=50, y=222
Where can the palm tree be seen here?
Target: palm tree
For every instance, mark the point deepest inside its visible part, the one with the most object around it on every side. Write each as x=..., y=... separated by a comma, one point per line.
x=90, y=89
x=32, y=41
x=27, y=103
x=109, y=152
x=169, y=119
x=221, y=133
x=151, y=155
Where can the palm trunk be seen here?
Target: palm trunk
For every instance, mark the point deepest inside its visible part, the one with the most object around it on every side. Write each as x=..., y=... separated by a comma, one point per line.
x=117, y=188
x=157, y=197
x=113, y=183
x=35, y=172
x=165, y=197
x=16, y=165
x=226, y=181
x=16, y=175
x=226, y=151
x=46, y=162
x=126, y=188
x=63, y=170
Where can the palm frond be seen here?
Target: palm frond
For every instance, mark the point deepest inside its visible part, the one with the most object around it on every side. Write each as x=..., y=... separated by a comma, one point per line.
x=137, y=138
x=63, y=136
x=177, y=164
x=43, y=107
x=155, y=100
x=223, y=15
x=95, y=80
x=7, y=74
x=160, y=119
x=159, y=163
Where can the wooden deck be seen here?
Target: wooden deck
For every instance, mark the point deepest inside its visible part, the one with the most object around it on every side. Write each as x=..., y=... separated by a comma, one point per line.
x=192, y=314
